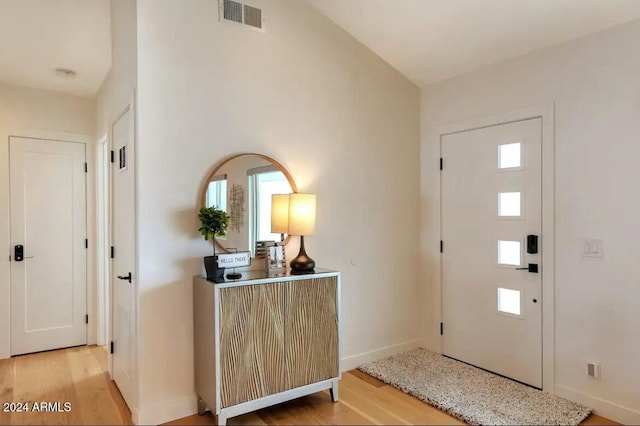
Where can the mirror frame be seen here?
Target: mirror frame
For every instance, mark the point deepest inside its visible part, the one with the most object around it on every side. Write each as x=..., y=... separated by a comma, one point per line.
x=219, y=165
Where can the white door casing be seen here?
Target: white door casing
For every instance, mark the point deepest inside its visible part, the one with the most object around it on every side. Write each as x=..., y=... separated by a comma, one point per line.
x=123, y=305
x=48, y=218
x=475, y=331
x=103, y=240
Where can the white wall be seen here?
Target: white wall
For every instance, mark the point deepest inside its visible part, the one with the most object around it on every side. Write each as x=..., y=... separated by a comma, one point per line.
x=595, y=84
x=342, y=121
x=117, y=91
x=23, y=109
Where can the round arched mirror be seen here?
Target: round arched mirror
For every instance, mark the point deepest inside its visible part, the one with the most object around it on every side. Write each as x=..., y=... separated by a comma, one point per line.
x=242, y=185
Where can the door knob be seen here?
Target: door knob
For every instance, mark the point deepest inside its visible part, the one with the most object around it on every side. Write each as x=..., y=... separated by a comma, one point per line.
x=533, y=268
x=125, y=277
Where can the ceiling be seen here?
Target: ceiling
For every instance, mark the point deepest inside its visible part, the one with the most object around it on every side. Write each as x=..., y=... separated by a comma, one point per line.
x=426, y=40
x=38, y=36
x=432, y=40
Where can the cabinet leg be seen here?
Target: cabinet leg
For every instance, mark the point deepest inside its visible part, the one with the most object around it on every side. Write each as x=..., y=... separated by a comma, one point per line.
x=222, y=420
x=334, y=391
x=202, y=406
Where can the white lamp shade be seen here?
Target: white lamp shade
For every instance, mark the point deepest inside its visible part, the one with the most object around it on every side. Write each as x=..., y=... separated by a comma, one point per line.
x=302, y=214
x=280, y=213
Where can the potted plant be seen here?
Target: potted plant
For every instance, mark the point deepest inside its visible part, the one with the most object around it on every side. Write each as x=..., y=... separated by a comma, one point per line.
x=213, y=223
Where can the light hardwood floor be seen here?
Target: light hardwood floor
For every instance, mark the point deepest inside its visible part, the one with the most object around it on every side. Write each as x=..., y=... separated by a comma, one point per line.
x=78, y=375
x=364, y=400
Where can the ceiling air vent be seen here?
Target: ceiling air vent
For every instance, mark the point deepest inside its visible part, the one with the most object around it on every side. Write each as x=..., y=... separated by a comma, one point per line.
x=236, y=12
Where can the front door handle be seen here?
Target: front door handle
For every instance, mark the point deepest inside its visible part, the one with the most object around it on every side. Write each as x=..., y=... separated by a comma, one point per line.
x=125, y=277
x=18, y=253
x=533, y=268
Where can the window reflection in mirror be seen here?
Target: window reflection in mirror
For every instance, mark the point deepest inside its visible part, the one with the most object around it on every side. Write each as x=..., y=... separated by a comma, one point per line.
x=217, y=194
x=263, y=183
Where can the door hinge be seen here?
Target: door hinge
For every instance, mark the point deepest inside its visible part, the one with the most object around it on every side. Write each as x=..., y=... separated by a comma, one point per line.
x=441, y=329
x=441, y=246
x=86, y=243
x=113, y=156
x=86, y=167
x=111, y=348
x=113, y=252
x=441, y=163
x=86, y=319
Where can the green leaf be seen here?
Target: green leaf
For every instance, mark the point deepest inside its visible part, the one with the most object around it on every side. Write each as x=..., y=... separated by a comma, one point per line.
x=213, y=221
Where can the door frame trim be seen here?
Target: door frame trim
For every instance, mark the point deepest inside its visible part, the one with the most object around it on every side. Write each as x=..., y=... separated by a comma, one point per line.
x=54, y=135
x=103, y=240
x=71, y=137
x=430, y=158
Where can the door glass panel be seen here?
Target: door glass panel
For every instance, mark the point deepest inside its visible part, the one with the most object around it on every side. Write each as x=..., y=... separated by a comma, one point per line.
x=509, y=301
x=509, y=156
x=509, y=252
x=509, y=204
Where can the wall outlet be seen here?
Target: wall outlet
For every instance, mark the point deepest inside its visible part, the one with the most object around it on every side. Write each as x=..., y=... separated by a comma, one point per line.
x=592, y=248
x=593, y=370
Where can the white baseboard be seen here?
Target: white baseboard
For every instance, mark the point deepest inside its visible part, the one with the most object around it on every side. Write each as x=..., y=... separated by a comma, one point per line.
x=354, y=361
x=135, y=415
x=602, y=407
x=163, y=412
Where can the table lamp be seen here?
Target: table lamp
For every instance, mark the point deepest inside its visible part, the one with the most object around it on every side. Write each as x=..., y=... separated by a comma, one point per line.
x=300, y=219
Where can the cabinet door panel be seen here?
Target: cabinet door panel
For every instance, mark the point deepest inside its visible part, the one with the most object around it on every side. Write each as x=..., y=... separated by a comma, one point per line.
x=251, y=342
x=311, y=324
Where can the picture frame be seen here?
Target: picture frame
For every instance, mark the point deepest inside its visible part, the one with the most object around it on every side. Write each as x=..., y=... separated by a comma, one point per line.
x=261, y=249
x=276, y=258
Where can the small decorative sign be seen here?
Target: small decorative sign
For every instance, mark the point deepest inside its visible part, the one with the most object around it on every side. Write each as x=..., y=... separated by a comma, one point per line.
x=234, y=260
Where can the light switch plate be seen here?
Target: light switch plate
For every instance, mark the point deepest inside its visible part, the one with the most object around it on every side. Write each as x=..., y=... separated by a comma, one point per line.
x=592, y=248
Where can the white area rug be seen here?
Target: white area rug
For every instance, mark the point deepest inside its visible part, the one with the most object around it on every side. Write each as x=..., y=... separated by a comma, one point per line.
x=471, y=394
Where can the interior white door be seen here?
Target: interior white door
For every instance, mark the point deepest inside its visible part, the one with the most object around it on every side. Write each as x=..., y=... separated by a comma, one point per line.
x=491, y=201
x=123, y=280
x=48, y=219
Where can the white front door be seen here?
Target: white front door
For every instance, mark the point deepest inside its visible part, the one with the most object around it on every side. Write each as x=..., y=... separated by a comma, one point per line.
x=491, y=202
x=123, y=279
x=48, y=253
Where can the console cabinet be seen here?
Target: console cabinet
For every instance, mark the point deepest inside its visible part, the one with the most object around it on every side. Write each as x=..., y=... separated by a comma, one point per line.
x=263, y=340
